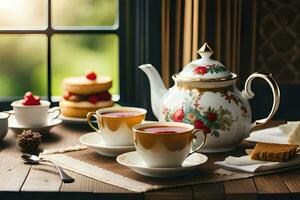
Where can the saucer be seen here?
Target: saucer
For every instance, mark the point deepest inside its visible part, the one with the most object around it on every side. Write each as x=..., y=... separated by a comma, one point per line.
x=17, y=128
x=134, y=162
x=95, y=141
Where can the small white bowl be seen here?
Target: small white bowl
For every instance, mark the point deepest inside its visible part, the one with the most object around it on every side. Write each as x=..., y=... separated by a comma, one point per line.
x=3, y=124
x=35, y=115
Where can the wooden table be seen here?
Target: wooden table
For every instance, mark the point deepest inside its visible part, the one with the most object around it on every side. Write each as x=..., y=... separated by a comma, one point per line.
x=20, y=181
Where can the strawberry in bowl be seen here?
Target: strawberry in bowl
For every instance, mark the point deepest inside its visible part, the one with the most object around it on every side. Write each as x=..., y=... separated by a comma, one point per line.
x=31, y=100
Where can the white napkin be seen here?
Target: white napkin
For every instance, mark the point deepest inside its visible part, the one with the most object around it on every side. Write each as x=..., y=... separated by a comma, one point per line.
x=246, y=164
x=269, y=135
x=284, y=134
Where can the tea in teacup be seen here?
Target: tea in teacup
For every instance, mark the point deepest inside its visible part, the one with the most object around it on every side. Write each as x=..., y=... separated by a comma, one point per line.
x=165, y=144
x=121, y=114
x=164, y=129
x=115, y=123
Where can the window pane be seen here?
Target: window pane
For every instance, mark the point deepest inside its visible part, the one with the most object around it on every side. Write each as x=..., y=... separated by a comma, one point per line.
x=74, y=55
x=84, y=13
x=23, y=64
x=23, y=14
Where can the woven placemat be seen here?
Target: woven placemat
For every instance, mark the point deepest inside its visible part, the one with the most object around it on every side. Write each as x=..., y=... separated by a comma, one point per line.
x=106, y=169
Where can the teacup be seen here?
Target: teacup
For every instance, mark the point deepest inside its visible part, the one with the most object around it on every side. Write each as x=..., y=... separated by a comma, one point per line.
x=3, y=124
x=34, y=116
x=115, y=123
x=166, y=144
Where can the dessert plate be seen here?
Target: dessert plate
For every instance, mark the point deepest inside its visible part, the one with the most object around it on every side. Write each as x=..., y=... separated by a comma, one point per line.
x=66, y=119
x=134, y=162
x=95, y=141
x=17, y=128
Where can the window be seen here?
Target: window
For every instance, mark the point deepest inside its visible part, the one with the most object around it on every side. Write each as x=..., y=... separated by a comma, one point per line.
x=44, y=41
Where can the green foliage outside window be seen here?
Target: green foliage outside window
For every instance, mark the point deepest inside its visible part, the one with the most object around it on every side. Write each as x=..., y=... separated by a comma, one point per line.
x=23, y=57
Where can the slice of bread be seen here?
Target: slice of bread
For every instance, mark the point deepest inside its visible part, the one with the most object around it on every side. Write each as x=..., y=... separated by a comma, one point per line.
x=274, y=152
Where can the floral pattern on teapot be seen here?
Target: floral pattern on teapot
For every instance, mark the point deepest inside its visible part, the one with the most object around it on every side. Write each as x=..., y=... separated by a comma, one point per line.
x=209, y=119
x=230, y=97
x=204, y=69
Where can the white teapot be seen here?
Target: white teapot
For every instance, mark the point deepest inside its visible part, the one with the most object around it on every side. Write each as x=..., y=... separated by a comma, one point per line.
x=206, y=96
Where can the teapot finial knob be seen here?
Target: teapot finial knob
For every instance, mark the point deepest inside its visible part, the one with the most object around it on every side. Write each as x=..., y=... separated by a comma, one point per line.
x=205, y=51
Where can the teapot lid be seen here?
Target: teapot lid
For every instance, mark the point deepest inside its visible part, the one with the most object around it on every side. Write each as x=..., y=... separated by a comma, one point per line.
x=205, y=68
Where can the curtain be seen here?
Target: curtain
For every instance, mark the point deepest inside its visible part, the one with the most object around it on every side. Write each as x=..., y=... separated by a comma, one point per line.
x=187, y=24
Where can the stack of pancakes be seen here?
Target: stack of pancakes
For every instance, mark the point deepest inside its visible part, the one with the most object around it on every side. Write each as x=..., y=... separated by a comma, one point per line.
x=83, y=94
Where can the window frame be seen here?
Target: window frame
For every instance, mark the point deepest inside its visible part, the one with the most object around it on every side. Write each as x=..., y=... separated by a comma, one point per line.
x=117, y=29
x=139, y=34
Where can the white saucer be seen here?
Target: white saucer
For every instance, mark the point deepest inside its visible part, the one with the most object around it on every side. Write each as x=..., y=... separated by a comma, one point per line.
x=134, y=162
x=95, y=141
x=66, y=119
x=17, y=128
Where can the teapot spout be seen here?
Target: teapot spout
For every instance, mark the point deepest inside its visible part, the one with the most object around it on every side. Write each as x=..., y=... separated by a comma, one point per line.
x=157, y=88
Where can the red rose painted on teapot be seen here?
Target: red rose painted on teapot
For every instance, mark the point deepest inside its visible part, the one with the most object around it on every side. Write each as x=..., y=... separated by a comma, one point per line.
x=205, y=95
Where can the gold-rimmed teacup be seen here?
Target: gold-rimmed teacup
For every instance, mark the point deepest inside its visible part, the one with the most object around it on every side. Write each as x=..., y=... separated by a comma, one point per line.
x=115, y=129
x=166, y=148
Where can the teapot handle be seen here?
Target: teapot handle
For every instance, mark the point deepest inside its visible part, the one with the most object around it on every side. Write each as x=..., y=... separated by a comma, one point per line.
x=248, y=94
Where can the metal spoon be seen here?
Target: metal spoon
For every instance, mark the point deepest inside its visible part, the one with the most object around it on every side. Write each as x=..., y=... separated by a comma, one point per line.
x=33, y=159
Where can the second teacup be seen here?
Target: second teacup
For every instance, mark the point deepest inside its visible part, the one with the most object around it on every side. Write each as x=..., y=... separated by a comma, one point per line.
x=165, y=144
x=34, y=116
x=115, y=123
